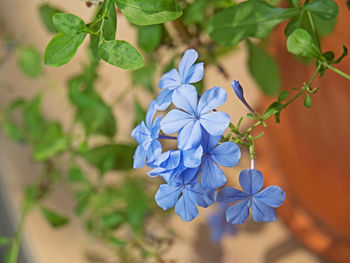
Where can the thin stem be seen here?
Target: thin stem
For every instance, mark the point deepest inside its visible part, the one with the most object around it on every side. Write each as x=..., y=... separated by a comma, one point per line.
x=312, y=24
x=341, y=73
x=167, y=137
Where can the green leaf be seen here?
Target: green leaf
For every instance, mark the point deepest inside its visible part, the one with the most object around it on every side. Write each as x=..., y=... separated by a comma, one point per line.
x=13, y=131
x=149, y=12
x=144, y=77
x=111, y=157
x=94, y=114
x=264, y=69
x=348, y=4
x=301, y=43
x=139, y=112
x=116, y=241
x=149, y=37
x=46, y=12
x=29, y=61
x=294, y=24
x=76, y=175
x=283, y=95
x=326, y=9
x=52, y=141
x=247, y=19
x=274, y=108
x=343, y=55
x=295, y=3
x=112, y=220
x=33, y=120
x=109, y=27
x=62, y=48
x=4, y=240
x=307, y=101
x=83, y=199
x=53, y=218
x=121, y=54
x=68, y=24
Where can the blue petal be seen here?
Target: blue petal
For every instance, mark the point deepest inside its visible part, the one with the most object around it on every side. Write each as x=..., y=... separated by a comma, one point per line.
x=215, y=123
x=174, y=121
x=212, y=175
x=187, y=176
x=164, y=99
x=139, y=157
x=239, y=92
x=185, y=98
x=230, y=195
x=200, y=195
x=192, y=157
x=155, y=127
x=190, y=135
x=211, y=99
x=156, y=171
x=150, y=114
x=195, y=73
x=238, y=213
x=208, y=141
x=272, y=195
x=167, y=196
x=262, y=212
x=154, y=149
x=140, y=133
x=170, y=80
x=251, y=180
x=226, y=154
x=172, y=161
x=186, y=63
x=186, y=208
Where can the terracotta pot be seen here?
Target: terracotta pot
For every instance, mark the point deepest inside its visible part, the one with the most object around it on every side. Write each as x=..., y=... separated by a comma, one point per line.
x=309, y=152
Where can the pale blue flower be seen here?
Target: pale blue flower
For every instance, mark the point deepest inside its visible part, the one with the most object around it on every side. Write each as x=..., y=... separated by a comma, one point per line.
x=172, y=80
x=193, y=119
x=261, y=203
x=146, y=135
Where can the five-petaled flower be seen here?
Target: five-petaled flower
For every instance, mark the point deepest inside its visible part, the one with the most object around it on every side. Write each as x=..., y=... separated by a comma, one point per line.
x=261, y=203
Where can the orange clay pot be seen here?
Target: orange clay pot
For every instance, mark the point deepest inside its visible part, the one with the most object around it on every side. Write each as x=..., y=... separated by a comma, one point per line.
x=308, y=153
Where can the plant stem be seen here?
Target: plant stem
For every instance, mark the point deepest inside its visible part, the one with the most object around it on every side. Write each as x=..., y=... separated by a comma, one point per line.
x=341, y=73
x=312, y=24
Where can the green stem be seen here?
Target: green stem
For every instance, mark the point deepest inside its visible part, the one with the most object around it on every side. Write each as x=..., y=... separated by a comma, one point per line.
x=341, y=73
x=312, y=24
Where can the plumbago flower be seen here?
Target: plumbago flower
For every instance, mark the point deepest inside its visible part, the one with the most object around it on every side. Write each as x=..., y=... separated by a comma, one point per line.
x=261, y=203
x=192, y=172
x=173, y=80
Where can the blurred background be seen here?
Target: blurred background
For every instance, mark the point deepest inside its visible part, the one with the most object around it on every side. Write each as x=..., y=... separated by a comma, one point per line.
x=307, y=153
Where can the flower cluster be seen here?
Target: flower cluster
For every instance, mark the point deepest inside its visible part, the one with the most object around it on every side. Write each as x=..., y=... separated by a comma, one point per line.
x=192, y=172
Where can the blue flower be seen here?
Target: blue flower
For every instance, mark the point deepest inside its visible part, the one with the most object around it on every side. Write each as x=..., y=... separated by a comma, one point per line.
x=261, y=203
x=146, y=135
x=192, y=194
x=173, y=80
x=218, y=224
x=226, y=154
x=194, y=119
x=239, y=92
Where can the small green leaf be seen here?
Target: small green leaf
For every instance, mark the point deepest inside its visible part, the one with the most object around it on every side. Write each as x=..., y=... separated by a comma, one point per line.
x=120, y=54
x=46, y=12
x=294, y=24
x=283, y=95
x=76, y=175
x=29, y=61
x=149, y=37
x=52, y=141
x=13, y=131
x=53, y=218
x=247, y=19
x=149, y=12
x=62, y=48
x=251, y=116
x=116, y=241
x=111, y=157
x=274, y=108
x=343, y=55
x=307, y=101
x=301, y=43
x=112, y=220
x=326, y=9
x=83, y=199
x=264, y=69
x=68, y=24
x=33, y=120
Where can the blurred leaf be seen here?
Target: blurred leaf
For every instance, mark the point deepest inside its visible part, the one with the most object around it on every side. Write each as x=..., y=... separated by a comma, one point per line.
x=95, y=115
x=111, y=157
x=323, y=26
x=295, y=3
x=294, y=24
x=13, y=131
x=29, y=61
x=68, y=24
x=116, y=242
x=283, y=95
x=326, y=9
x=51, y=142
x=139, y=113
x=121, y=54
x=274, y=108
x=4, y=240
x=53, y=218
x=112, y=220
x=149, y=12
x=307, y=101
x=264, y=69
x=149, y=37
x=301, y=43
x=83, y=198
x=33, y=120
x=62, y=49
x=194, y=13
x=15, y=104
x=76, y=175
x=144, y=77
x=247, y=19
x=46, y=12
